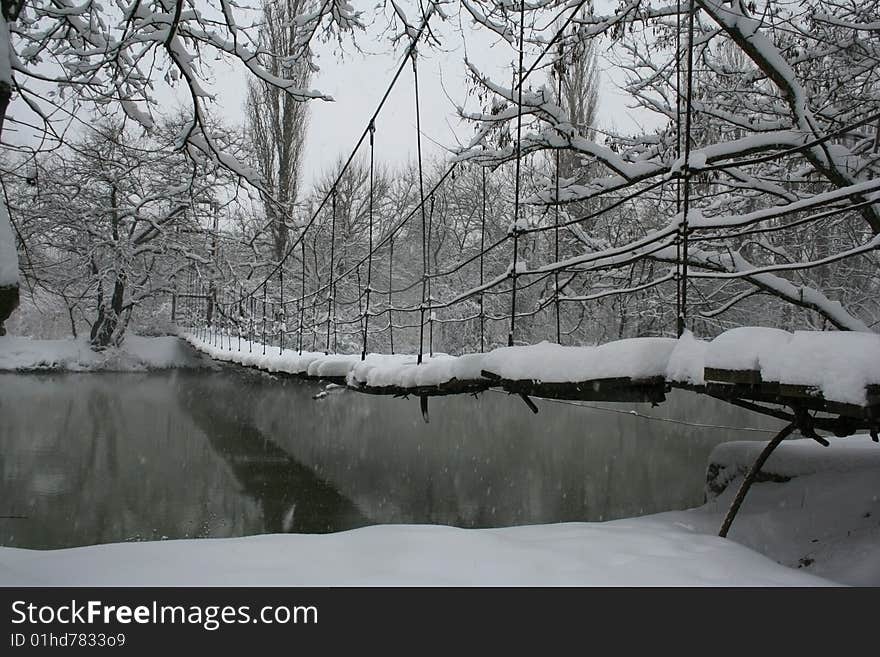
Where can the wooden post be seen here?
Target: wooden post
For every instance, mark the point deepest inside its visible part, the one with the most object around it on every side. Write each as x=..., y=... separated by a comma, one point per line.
x=750, y=477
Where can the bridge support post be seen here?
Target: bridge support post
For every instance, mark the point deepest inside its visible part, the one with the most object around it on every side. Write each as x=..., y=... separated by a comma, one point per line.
x=751, y=475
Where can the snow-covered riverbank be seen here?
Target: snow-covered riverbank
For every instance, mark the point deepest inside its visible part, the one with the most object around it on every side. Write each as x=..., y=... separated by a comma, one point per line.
x=136, y=354
x=820, y=527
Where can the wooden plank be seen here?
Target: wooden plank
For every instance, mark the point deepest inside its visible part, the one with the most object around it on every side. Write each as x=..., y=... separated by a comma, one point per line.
x=786, y=395
x=752, y=377
x=451, y=387
x=621, y=389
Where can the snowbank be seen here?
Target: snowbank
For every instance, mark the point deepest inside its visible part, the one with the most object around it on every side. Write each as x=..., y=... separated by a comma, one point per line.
x=825, y=520
x=793, y=458
x=136, y=354
x=640, y=552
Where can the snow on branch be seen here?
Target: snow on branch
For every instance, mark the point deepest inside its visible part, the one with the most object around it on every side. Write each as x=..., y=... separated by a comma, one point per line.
x=120, y=56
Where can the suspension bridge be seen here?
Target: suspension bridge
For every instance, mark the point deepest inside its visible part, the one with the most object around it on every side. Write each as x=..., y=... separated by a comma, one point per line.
x=812, y=380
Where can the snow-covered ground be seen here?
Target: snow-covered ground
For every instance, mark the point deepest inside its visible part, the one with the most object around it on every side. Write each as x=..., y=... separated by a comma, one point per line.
x=136, y=354
x=620, y=553
x=822, y=527
x=825, y=519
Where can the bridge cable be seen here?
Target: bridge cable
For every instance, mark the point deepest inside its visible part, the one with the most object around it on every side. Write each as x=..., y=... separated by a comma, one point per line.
x=482, y=254
x=452, y=167
x=282, y=325
x=678, y=265
x=430, y=294
x=516, y=204
x=560, y=67
x=302, y=301
x=390, y=237
x=687, y=169
x=369, y=289
x=391, y=291
x=331, y=295
x=265, y=294
x=410, y=49
x=415, y=68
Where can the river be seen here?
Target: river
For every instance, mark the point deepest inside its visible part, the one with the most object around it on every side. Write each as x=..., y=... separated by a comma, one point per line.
x=97, y=458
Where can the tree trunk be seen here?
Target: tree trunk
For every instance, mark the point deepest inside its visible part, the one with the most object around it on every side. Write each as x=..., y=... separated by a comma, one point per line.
x=8, y=303
x=105, y=331
x=8, y=293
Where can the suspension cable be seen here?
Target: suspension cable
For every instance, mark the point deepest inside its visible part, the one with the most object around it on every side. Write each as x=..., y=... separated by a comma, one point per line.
x=421, y=208
x=516, y=209
x=559, y=72
x=331, y=288
x=390, y=292
x=369, y=289
x=482, y=254
x=682, y=318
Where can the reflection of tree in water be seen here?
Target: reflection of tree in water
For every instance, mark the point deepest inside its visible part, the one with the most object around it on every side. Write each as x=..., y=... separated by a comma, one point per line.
x=291, y=496
x=95, y=458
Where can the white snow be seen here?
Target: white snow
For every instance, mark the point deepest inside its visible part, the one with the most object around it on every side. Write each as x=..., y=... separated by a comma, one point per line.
x=686, y=361
x=838, y=364
x=8, y=255
x=136, y=354
x=796, y=458
x=405, y=372
x=288, y=361
x=744, y=348
x=826, y=520
x=637, y=358
x=642, y=552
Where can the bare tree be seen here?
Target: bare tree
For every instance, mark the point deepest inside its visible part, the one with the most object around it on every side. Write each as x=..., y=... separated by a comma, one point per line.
x=277, y=121
x=575, y=80
x=58, y=60
x=9, y=11
x=114, y=222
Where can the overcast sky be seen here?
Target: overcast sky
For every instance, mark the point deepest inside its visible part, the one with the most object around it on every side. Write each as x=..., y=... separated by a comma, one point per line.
x=357, y=80
x=357, y=77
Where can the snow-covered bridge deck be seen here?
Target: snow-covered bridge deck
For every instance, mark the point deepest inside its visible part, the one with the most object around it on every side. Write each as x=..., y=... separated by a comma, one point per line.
x=831, y=371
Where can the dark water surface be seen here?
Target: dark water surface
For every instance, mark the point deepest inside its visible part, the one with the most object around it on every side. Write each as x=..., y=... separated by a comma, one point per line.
x=97, y=458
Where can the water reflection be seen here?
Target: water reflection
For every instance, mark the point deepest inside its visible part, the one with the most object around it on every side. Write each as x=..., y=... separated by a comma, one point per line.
x=291, y=497
x=95, y=458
